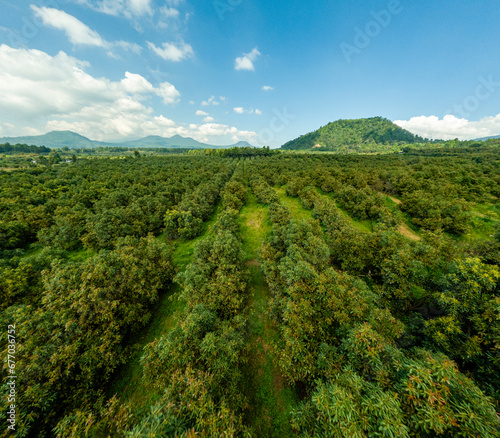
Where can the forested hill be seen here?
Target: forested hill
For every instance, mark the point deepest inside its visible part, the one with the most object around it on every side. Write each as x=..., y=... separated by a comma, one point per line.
x=360, y=135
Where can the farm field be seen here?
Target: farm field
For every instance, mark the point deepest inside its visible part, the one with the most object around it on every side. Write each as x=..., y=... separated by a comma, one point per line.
x=266, y=295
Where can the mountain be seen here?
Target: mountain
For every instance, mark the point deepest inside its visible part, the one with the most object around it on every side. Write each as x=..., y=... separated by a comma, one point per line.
x=155, y=141
x=240, y=144
x=357, y=135
x=59, y=139
x=55, y=139
x=488, y=138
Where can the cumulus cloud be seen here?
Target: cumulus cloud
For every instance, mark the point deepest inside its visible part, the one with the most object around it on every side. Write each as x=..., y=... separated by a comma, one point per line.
x=246, y=61
x=201, y=113
x=168, y=93
x=211, y=101
x=241, y=110
x=208, y=119
x=451, y=127
x=267, y=88
x=40, y=93
x=78, y=33
x=174, y=52
x=136, y=84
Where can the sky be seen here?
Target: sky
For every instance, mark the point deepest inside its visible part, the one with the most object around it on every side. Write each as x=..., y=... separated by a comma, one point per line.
x=222, y=71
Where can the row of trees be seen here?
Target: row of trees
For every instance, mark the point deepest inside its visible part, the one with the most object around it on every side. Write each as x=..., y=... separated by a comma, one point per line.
x=74, y=336
x=79, y=275
x=194, y=370
x=380, y=334
x=196, y=367
x=8, y=148
x=436, y=192
x=91, y=204
x=342, y=342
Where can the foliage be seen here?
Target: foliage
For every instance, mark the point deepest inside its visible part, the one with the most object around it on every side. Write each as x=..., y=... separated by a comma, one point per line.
x=105, y=298
x=8, y=148
x=335, y=135
x=380, y=313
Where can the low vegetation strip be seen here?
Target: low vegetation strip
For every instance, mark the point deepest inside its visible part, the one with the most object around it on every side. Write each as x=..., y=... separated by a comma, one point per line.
x=270, y=397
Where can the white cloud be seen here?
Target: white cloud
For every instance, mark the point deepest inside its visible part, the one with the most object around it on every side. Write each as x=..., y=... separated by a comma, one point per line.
x=172, y=51
x=267, y=88
x=140, y=7
x=127, y=8
x=128, y=47
x=40, y=92
x=168, y=93
x=201, y=113
x=212, y=101
x=167, y=12
x=208, y=119
x=77, y=32
x=246, y=61
x=450, y=127
x=136, y=84
x=241, y=110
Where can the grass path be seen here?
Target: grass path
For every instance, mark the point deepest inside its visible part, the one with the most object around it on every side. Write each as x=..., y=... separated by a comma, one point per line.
x=270, y=397
x=294, y=205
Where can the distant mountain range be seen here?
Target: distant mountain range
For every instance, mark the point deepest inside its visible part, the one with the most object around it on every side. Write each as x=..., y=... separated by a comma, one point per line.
x=488, y=138
x=358, y=134
x=60, y=139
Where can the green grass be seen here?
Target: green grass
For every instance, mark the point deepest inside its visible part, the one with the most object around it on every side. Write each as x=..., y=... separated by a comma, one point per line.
x=485, y=219
x=294, y=205
x=254, y=225
x=185, y=248
x=489, y=210
x=366, y=226
x=80, y=255
x=270, y=397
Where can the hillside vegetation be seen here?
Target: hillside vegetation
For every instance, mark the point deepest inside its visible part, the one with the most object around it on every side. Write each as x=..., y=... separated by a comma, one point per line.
x=354, y=135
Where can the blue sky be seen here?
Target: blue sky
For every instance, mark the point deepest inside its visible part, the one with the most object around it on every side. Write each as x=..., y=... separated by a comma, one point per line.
x=262, y=71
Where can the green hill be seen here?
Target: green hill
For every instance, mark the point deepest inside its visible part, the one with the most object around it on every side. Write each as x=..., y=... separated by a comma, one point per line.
x=360, y=135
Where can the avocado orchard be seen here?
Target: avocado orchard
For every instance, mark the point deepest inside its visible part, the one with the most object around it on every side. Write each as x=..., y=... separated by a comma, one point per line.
x=376, y=333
